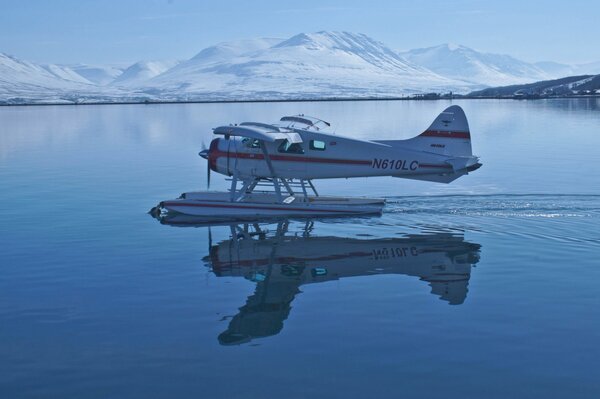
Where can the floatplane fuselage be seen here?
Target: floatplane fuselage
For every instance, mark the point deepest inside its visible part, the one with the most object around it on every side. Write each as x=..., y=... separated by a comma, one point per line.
x=299, y=149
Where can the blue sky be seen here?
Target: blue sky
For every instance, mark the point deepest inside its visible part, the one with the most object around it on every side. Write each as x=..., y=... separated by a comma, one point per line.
x=65, y=31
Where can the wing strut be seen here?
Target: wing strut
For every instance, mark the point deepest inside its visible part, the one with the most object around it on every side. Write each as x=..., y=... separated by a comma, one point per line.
x=276, y=180
x=272, y=170
x=313, y=187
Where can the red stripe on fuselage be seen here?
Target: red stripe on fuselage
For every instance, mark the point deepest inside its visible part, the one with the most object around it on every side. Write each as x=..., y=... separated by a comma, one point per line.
x=214, y=155
x=437, y=166
x=226, y=265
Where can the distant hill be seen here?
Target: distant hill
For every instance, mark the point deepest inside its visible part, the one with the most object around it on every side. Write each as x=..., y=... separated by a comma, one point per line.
x=584, y=84
x=25, y=79
x=484, y=69
x=140, y=72
x=98, y=74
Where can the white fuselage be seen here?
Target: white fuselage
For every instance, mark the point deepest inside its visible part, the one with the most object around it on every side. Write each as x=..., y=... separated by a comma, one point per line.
x=323, y=155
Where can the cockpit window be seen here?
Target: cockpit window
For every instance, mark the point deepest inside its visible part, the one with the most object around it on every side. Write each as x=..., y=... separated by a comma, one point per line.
x=317, y=145
x=291, y=148
x=251, y=143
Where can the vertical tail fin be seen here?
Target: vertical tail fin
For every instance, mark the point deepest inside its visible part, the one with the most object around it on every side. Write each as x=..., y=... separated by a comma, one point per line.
x=448, y=134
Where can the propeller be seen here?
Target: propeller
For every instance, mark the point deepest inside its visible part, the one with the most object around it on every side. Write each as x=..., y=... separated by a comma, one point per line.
x=204, y=154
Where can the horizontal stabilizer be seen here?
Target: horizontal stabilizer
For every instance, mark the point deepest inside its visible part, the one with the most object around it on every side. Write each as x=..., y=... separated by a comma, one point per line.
x=465, y=167
x=435, y=177
x=460, y=163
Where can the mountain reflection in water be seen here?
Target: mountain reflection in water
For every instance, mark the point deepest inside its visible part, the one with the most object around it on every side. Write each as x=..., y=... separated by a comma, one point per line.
x=280, y=261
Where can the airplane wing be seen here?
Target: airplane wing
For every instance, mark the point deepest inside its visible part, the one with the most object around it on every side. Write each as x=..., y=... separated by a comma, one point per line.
x=259, y=131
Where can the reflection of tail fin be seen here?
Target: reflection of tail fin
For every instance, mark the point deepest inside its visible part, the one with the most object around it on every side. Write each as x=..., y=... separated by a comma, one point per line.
x=452, y=291
x=448, y=134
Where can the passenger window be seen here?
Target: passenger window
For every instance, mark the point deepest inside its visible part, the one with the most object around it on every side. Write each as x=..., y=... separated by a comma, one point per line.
x=292, y=270
x=318, y=271
x=317, y=145
x=291, y=148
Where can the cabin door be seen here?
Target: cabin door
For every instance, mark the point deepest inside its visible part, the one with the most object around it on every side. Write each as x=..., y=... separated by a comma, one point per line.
x=292, y=157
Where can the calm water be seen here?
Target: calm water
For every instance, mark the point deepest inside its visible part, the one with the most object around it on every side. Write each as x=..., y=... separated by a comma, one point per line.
x=487, y=287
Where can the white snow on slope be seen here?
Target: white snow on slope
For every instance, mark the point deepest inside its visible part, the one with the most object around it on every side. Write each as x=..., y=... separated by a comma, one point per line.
x=65, y=73
x=556, y=69
x=24, y=79
x=26, y=82
x=140, y=72
x=14, y=72
x=224, y=52
x=98, y=74
x=185, y=73
x=485, y=69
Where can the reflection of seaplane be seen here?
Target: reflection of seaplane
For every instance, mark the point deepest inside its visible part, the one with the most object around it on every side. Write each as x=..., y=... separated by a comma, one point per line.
x=279, y=262
x=286, y=157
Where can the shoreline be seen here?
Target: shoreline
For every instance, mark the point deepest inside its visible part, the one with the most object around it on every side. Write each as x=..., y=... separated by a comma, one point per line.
x=292, y=100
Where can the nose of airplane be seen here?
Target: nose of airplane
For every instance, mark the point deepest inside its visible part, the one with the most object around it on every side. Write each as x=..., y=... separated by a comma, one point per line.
x=210, y=155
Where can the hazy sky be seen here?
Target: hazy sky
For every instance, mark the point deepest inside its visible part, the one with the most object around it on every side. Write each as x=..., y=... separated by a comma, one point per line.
x=65, y=31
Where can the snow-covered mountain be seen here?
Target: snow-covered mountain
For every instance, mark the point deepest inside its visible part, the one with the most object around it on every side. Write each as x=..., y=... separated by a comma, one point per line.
x=20, y=78
x=26, y=82
x=486, y=69
x=65, y=73
x=226, y=51
x=307, y=65
x=140, y=72
x=323, y=64
x=14, y=72
x=98, y=74
x=556, y=69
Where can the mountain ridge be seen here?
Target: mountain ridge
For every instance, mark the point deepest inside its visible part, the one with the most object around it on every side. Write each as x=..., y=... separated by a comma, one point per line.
x=307, y=65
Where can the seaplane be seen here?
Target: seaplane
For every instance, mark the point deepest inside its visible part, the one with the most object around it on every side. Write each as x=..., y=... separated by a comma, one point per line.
x=272, y=166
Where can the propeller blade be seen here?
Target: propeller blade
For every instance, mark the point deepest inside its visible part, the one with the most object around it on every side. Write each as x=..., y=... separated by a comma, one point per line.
x=207, y=176
x=204, y=154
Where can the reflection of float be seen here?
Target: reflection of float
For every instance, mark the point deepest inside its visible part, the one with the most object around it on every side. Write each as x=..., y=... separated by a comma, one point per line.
x=280, y=262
